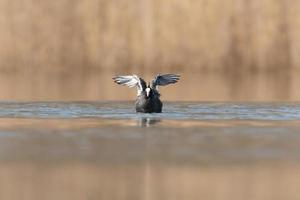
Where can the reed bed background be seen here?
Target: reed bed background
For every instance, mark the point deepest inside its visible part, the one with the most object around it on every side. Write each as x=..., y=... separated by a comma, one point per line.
x=224, y=50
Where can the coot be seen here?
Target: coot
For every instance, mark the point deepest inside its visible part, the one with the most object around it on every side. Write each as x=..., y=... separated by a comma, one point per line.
x=147, y=95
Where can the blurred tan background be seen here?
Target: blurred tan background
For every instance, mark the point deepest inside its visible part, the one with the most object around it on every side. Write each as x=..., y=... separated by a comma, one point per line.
x=232, y=50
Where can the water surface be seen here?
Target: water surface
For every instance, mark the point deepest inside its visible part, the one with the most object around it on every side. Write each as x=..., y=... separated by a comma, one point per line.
x=105, y=150
x=172, y=110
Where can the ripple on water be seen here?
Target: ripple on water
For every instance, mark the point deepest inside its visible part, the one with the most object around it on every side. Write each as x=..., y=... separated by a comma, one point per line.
x=204, y=132
x=172, y=110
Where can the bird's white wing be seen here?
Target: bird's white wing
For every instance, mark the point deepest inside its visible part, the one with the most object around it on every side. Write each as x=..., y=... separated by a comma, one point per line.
x=131, y=81
x=165, y=79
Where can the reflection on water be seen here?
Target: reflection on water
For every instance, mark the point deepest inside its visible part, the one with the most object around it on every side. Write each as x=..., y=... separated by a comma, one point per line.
x=104, y=150
x=147, y=121
x=193, y=86
x=79, y=181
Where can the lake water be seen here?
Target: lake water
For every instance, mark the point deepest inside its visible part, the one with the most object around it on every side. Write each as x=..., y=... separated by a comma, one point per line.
x=193, y=150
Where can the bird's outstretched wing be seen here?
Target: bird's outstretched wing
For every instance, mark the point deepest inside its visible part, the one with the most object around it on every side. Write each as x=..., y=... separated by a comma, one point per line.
x=131, y=81
x=164, y=79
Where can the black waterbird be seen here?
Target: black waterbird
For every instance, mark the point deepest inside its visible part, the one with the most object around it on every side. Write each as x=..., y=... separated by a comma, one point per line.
x=147, y=95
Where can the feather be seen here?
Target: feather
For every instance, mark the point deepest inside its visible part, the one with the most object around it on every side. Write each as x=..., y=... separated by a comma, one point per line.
x=131, y=81
x=165, y=79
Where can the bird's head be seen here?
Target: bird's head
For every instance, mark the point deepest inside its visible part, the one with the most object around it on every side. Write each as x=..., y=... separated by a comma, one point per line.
x=149, y=92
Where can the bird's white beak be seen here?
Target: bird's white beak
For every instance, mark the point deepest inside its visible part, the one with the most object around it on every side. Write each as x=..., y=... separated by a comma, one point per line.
x=147, y=92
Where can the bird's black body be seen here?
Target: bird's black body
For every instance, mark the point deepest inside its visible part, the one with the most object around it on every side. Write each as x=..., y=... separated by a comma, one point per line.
x=147, y=96
x=151, y=104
